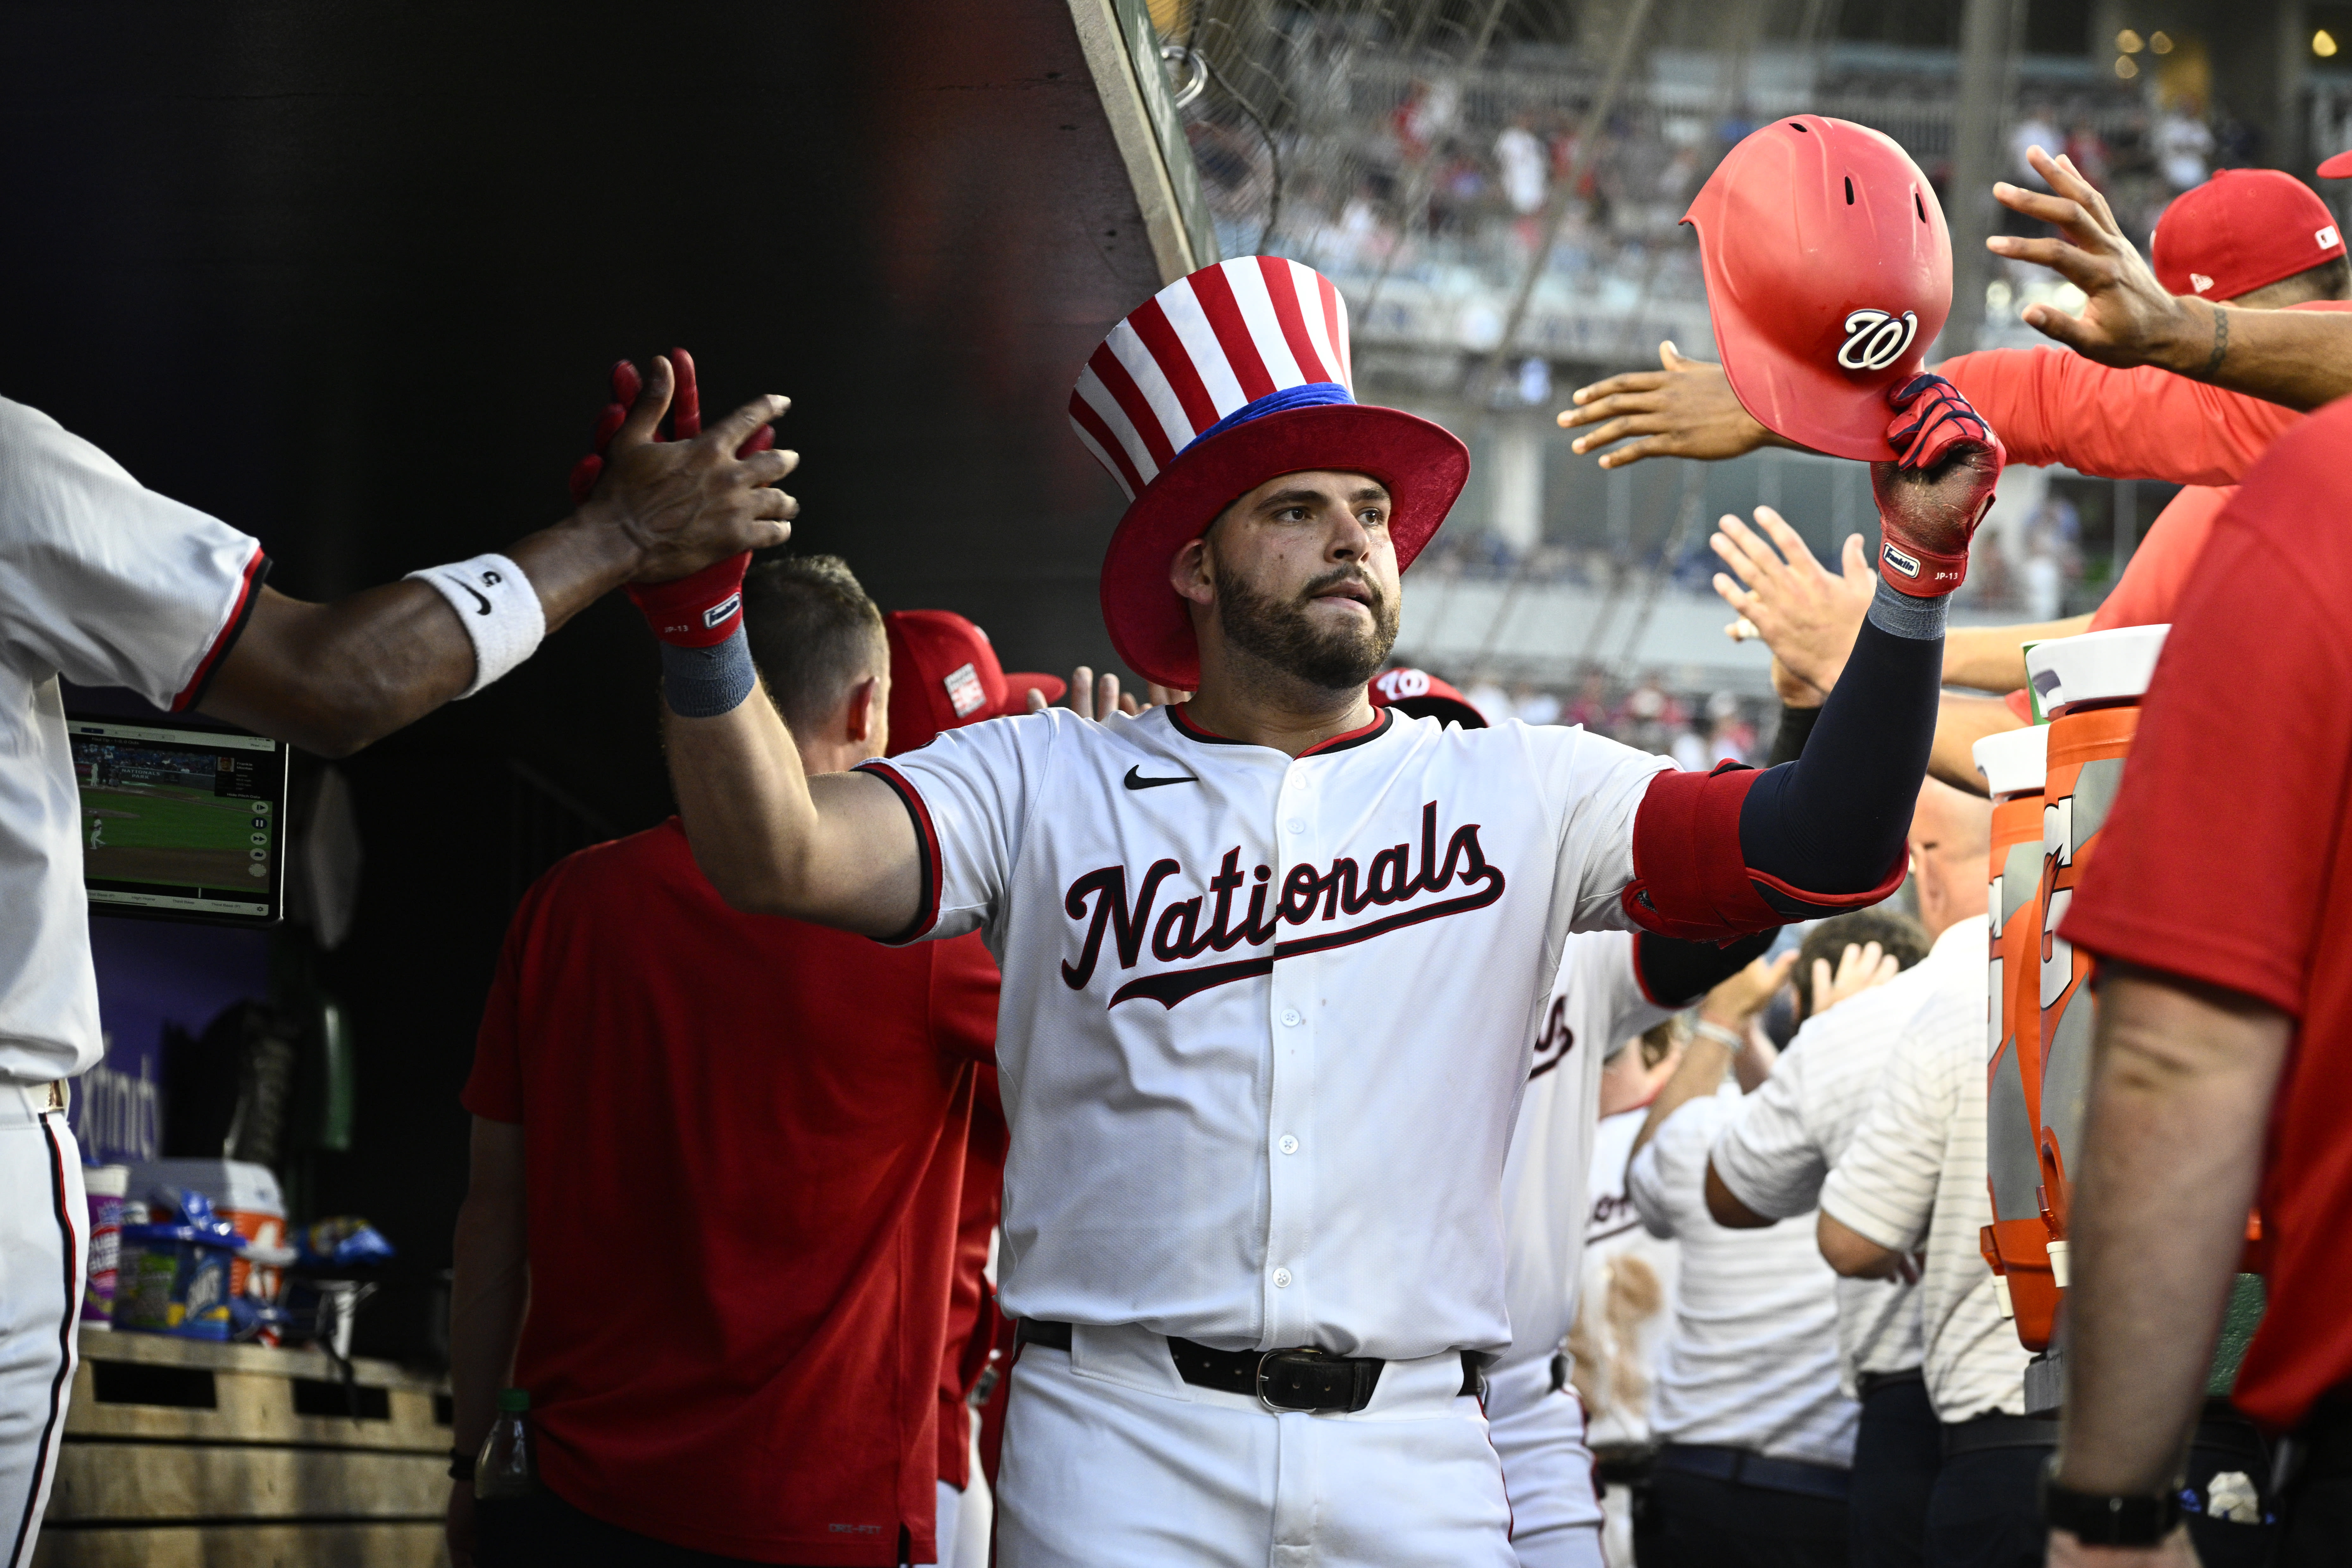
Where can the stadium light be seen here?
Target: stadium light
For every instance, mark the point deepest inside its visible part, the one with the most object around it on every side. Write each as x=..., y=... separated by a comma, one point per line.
x=2322, y=44
x=2128, y=42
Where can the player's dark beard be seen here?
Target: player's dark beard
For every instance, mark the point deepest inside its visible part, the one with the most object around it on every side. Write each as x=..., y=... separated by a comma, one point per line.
x=1278, y=631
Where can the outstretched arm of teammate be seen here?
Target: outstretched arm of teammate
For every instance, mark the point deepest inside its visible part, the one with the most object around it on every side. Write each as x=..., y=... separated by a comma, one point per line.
x=2125, y=424
x=333, y=677
x=2295, y=358
x=1724, y=1019
x=838, y=849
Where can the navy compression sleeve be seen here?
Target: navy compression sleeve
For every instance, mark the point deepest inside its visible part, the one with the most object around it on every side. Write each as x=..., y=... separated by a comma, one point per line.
x=1835, y=819
x=1736, y=850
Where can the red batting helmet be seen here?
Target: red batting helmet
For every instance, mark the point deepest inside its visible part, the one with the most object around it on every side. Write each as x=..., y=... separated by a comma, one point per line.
x=1417, y=694
x=1829, y=271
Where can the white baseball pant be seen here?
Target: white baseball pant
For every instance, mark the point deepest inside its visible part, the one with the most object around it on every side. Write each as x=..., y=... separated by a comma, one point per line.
x=966, y=1517
x=1547, y=1469
x=44, y=1247
x=1109, y=1457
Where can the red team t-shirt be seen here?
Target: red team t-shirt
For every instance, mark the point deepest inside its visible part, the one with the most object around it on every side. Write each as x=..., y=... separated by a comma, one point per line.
x=2228, y=858
x=746, y=1160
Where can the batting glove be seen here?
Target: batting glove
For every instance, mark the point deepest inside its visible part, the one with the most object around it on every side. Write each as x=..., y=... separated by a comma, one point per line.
x=703, y=610
x=1931, y=499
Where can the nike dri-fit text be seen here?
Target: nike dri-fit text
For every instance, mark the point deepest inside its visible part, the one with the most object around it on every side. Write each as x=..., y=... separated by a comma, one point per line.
x=1263, y=1035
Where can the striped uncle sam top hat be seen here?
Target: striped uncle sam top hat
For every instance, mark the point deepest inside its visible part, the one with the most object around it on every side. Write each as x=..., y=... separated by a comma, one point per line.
x=1235, y=376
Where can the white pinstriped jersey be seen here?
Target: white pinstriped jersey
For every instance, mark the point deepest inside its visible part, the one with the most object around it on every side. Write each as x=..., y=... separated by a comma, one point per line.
x=108, y=583
x=1596, y=1001
x=1266, y=1019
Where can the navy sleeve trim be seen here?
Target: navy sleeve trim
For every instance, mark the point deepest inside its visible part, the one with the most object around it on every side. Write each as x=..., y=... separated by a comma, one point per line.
x=927, y=839
x=248, y=592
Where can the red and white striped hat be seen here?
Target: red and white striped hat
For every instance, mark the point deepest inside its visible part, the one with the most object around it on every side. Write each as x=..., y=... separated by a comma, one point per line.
x=1236, y=375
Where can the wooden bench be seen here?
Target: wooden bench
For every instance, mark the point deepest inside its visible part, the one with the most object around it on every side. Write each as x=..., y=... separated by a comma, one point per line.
x=185, y=1454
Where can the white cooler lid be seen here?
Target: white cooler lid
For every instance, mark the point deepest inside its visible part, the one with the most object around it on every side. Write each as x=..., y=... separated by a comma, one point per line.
x=2015, y=762
x=2098, y=667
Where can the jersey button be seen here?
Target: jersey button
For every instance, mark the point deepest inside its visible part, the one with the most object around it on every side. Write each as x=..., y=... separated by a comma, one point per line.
x=1289, y=1144
x=1295, y=826
x=1290, y=1018
x=1282, y=1279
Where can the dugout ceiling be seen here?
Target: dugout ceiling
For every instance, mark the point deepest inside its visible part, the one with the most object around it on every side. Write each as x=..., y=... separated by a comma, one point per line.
x=348, y=273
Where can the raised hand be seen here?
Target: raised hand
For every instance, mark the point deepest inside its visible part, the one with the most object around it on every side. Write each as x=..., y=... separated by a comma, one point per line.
x=1932, y=498
x=2127, y=317
x=1099, y=696
x=1807, y=617
x=1687, y=409
x=688, y=503
x=1859, y=969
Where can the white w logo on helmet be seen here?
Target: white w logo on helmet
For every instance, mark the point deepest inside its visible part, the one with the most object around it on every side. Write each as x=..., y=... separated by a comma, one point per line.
x=1874, y=339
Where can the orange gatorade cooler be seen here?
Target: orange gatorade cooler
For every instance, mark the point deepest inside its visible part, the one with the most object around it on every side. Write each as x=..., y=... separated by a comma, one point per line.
x=2091, y=687
x=2016, y=1245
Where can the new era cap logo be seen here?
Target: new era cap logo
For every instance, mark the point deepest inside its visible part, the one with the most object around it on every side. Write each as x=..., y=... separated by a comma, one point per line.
x=2327, y=238
x=2198, y=281
x=965, y=694
x=718, y=613
x=1874, y=339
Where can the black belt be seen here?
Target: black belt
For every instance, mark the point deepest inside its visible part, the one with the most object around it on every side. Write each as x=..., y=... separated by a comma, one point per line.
x=2228, y=1433
x=1980, y=1433
x=1743, y=1468
x=1307, y=1380
x=1870, y=1383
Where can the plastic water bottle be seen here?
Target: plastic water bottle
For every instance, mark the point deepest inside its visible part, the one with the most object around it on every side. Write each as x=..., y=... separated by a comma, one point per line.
x=508, y=1466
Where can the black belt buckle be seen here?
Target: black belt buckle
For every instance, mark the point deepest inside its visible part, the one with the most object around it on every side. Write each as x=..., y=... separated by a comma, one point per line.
x=1307, y=1380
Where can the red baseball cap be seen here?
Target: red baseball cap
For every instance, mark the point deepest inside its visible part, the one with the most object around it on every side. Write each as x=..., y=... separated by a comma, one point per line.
x=1417, y=694
x=2239, y=230
x=943, y=674
x=1829, y=271
x=2339, y=167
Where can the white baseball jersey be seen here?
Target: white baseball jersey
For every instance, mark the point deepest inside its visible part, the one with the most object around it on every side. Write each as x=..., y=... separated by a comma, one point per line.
x=109, y=583
x=1622, y=1315
x=1596, y=1001
x=1265, y=1018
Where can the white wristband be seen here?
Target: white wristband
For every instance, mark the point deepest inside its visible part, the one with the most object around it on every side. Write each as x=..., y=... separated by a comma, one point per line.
x=1730, y=1039
x=498, y=609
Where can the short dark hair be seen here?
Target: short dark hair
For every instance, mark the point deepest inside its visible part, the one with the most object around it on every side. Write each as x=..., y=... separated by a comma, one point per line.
x=1892, y=929
x=814, y=634
x=2331, y=279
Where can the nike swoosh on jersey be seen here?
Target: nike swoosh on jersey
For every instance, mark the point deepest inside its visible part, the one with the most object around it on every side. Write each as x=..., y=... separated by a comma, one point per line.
x=1135, y=780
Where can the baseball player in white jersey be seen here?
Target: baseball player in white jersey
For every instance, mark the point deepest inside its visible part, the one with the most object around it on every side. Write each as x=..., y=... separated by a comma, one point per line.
x=1272, y=958
x=109, y=583
x=1610, y=985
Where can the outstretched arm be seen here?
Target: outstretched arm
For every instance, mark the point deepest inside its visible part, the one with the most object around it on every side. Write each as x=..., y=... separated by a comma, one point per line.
x=2296, y=358
x=838, y=849
x=333, y=677
x=1742, y=850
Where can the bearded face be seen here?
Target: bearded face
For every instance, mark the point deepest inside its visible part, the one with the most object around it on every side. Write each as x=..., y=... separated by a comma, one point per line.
x=1304, y=634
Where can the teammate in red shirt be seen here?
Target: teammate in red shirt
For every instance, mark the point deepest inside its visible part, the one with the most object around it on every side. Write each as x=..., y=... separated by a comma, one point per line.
x=2217, y=905
x=741, y=1178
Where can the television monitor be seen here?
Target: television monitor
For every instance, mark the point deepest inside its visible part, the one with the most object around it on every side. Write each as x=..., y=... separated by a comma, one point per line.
x=179, y=822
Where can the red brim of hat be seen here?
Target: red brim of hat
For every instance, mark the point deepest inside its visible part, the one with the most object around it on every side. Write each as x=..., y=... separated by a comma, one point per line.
x=1814, y=406
x=2339, y=167
x=1017, y=688
x=1423, y=467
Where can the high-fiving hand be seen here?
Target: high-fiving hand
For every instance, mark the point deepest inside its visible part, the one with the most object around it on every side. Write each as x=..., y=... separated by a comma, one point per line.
x=1806, y=615
x=1686, y=410
x=2127, y=317
x=698, y=499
